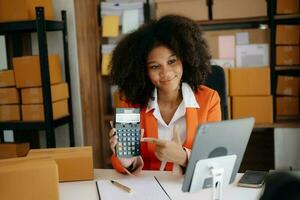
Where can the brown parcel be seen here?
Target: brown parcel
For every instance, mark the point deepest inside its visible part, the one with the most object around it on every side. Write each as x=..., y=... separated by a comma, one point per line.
x=35, y=95
x=230, y=9
x=287, y=55
x=74, y=163
x=288, y=85
x=35, y=112
x=287, y=6
x=28, y=71
x=7, y=78
x=10, y=113
x=194, y=9
x=249, y=81
x=259, y=107
x=287, y=34
x=18, y=10
x=12, y=150
x=9, y=96
x=287, y=106
x=28, y=179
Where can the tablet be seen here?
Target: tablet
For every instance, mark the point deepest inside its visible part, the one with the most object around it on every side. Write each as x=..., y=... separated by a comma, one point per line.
x=219, y=139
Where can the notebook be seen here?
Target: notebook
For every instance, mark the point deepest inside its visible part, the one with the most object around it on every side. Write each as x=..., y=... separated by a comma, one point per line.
x=146, y=188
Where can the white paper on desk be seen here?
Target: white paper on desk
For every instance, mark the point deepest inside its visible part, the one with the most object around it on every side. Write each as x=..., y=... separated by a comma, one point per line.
x=146, y=188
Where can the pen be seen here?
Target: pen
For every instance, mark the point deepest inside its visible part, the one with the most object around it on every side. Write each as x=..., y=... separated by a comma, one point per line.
x=123, y=187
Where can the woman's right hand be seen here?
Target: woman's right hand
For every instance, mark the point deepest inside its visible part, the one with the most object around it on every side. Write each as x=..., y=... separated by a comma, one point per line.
x=126, y=162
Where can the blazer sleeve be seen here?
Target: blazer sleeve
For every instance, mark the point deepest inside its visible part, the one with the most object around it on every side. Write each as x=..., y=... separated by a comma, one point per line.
x=214, y=112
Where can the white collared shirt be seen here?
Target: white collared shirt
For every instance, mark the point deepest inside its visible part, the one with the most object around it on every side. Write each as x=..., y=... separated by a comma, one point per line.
x=165, y=131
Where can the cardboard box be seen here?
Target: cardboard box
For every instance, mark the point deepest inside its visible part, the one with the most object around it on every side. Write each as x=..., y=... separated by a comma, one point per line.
x=249, y=81
x=194, y=9
x=74, y=163
x=35, y=95
x=288, y=85
x=229, y=107
x=230, y=9
x=12, y=150
x=253, y=36
x=259, y=107
x=7, y=78
x=226, y=72
x=35, y=112
x=28, y=179
x=287, y=34
x=10, y=113
x=287, y=55
x=28, y=74
x=287, y=106
x=19, y=10
x=287, y=6
x=9, y=96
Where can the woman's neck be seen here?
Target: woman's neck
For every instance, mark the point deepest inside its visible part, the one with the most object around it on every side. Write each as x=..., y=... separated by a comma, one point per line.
x=169, y=99
x=168, y=103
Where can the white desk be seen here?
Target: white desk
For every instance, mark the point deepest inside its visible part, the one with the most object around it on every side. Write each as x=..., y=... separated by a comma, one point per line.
x=171, y=183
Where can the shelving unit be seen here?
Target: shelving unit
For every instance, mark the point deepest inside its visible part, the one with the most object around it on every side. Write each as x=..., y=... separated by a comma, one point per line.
x=42, y=26
x=294, y=70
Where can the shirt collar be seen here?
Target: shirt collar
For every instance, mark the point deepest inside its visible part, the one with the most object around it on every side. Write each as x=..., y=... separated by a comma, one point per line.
x=189, y=100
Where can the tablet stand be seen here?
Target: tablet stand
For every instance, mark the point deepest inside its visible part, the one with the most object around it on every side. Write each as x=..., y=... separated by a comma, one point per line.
x=217, y=183
x=213, y=172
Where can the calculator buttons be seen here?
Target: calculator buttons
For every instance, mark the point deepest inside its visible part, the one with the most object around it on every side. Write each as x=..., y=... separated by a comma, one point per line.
x=128, y=135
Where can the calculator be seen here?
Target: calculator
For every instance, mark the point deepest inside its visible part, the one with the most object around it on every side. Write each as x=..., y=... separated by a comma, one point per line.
x=127, y=125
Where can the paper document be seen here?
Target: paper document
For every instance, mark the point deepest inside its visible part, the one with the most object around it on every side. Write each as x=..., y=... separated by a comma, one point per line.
x=130, y=20
x=146, y=188
x=226, y=46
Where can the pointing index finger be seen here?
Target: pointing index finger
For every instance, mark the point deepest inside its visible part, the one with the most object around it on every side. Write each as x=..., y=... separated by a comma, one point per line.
x=154, y=141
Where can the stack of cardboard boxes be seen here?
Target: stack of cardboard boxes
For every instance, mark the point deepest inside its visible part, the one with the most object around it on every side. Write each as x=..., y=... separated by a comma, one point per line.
x=9, y=97
x=250, y=91
x=37, y=175
x=287, y=54
x=28, y=79
x=25, y=81
x=244, y=55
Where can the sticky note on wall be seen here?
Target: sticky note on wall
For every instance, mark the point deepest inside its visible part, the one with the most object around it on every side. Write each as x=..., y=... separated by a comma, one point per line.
x=105, y=62
x=227, y=46
x=110, y=26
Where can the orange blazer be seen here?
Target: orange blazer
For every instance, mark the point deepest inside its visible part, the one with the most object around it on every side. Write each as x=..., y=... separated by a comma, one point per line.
x=209, y=111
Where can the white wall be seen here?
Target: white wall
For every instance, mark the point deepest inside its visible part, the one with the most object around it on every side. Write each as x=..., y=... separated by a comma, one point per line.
x=287, y=148
x=55, y=45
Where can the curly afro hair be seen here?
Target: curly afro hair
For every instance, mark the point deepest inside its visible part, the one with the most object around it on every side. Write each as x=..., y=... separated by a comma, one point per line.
x=181, y=35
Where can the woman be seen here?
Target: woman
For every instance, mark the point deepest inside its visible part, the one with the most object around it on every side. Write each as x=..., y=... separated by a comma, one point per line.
x=160, y=68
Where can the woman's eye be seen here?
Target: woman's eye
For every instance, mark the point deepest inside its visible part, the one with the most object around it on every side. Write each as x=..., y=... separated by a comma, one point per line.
x=172, y=61
x=153, y=66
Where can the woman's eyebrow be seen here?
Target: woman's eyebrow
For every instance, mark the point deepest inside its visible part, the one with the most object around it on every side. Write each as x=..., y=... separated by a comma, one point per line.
x=151, y=62
x=172, y=55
